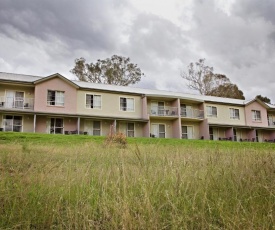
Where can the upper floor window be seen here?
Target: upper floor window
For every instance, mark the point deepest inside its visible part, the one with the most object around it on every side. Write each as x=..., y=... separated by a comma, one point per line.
x=211, y=111
x=55, y=98
x=256, y=115
x=234, y=113
x=93, y=101
x=126, y=104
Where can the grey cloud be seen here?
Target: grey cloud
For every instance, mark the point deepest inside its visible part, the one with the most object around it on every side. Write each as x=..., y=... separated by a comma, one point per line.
x=251, y=9
x=78, y=23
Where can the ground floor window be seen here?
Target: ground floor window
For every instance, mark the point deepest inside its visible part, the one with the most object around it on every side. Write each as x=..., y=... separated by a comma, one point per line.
x=130, y=129
x=96, y=128
x=187, y=132
x=12, y=123
x=57, y=126
x=158, y=130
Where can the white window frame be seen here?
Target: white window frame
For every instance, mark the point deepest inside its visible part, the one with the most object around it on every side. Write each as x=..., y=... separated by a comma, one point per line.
x=127, y=108
x=256, y=115
x=59, y=100
x=54, y=127
x=92, y=105
x=209, y=110
x=187, y=134
x=130, y=132
x=233, y=114
x=96, y=129
x=4, y=121
x=158, y=134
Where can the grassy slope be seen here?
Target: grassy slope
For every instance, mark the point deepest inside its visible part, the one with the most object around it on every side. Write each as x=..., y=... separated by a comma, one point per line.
x=58, y=181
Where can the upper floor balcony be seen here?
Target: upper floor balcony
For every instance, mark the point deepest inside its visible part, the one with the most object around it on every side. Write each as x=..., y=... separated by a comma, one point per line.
x=16, y=103
x=271, y=121
x=164, y=111
x=192, y=113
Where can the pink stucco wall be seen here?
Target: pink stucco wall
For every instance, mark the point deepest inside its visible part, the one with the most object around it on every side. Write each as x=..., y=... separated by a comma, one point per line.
x=204, y=129
x=229, y=133
x=41, y=124
x=146, y=129
x=248, y=115
x=145, y=114
x=251, y=134
x=70, y=96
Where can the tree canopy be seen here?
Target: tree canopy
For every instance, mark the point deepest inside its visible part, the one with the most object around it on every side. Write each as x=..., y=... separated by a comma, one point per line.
x=202, y=78
x=116, y=70
x=264, y=99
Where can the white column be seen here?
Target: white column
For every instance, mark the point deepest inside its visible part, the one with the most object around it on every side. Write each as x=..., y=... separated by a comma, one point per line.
x=34, y=123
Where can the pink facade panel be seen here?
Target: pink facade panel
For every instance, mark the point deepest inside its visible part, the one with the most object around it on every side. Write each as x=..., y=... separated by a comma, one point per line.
x=255, y=106
x=59, y=85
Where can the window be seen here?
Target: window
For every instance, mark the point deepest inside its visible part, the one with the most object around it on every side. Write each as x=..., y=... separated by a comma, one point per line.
x=130, y=129
x=234, y=113
x=56, y=126
x=256, y=115
x=96, y=128
x=55, y=98
x=12, y=123
x=93, y=101
x=158, y=130
x=187, y=132
x=211, y=111
x=126, y=104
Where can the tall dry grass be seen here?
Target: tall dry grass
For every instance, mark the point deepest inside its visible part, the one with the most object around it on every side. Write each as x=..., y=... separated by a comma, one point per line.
x=91, y=186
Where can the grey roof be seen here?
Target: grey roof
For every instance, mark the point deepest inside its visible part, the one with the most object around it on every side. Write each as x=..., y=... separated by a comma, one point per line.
x=158, y=93
x=18, y=77
x=128, y=89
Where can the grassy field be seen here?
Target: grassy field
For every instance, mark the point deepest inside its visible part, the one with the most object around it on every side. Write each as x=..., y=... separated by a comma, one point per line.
x=78, y=182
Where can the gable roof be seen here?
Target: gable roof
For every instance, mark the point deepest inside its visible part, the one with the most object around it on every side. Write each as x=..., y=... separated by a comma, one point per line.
x=56, y=75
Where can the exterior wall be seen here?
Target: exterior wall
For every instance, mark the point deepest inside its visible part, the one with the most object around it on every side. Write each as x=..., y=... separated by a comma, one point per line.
x=168, y=126
x=110, y=105
x=248, y=112
x=204, y=130
x=41, y=124
x=70, y=123
x=146, y=129
x=229, y=133
x=28, y=123
x=223, y=115
x=70, y=95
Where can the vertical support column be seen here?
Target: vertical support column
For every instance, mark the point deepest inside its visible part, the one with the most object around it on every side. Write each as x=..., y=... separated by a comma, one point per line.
x=78, y=125
x=34, y=123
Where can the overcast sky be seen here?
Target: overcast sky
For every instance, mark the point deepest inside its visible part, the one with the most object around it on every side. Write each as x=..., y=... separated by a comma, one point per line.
x=236, y=37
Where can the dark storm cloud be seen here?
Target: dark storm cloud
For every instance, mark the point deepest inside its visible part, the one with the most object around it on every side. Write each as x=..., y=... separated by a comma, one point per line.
x=80, y=24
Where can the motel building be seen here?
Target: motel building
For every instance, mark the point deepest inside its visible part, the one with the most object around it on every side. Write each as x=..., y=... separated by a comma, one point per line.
x=56, y=105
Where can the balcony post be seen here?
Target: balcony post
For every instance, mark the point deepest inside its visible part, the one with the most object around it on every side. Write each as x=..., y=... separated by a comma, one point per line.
x=34, y=123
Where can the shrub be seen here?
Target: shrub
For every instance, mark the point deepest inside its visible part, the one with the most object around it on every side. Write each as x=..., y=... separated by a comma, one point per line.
x=118, y=139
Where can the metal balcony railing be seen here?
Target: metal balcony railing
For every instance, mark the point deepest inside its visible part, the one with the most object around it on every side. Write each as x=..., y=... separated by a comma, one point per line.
x=163, y=111
x=16, y=103
x=192, y=113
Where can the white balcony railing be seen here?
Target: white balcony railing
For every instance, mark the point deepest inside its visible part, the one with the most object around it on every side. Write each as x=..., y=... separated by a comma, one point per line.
x=163, y=111
x=16, y=103
x=192, y=113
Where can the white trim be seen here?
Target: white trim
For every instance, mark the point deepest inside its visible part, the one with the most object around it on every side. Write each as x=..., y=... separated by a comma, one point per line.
x=93, y=94
x=126, y=104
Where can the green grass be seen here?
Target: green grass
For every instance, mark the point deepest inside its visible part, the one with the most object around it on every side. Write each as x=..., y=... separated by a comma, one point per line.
x=78, y=182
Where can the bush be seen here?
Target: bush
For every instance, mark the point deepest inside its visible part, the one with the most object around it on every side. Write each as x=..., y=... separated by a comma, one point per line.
x=118, y=139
